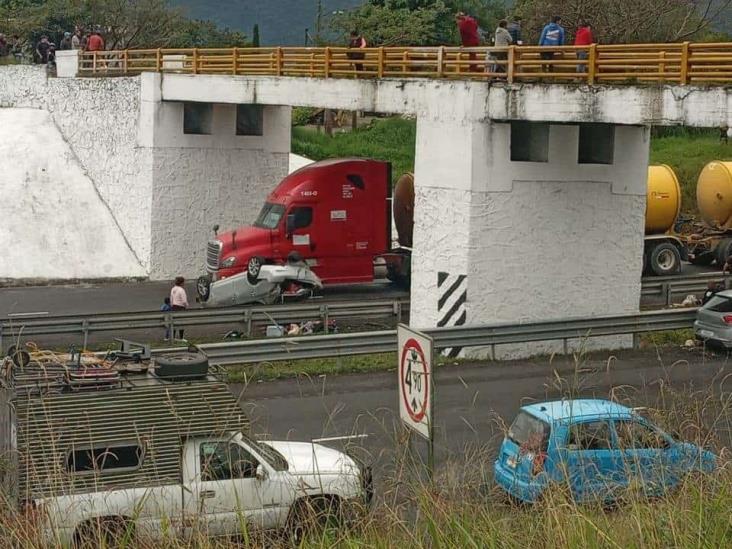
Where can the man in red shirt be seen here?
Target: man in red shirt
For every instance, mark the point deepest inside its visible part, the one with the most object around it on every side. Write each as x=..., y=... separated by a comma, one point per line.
x=583, y=38
x=469, y=36
x=95, y=42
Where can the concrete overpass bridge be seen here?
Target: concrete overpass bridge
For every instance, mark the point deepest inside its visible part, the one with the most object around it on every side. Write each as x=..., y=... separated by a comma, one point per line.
x=530, y=176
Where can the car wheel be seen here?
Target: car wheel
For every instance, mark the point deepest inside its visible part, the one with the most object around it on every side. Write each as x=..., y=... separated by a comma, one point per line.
x=254, y=266
x=665, y=259
x=203, y=287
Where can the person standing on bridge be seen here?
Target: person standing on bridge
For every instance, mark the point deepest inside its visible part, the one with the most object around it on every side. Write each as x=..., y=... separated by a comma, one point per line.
x=552, y=35
x=584, y=38
x=469, y=36
x=356, y=41
x=502, y=40
x=95, y=42
x=179, y=300
x=514, y=28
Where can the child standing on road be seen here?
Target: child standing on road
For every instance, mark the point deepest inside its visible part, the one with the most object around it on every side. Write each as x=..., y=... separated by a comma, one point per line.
x=165, y=307
x=179, y=299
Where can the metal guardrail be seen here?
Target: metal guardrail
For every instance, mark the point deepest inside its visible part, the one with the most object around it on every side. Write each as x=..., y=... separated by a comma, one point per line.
x=243, y=317
x=681, y=63
x=246, y=318
x=307, y=347
x=669, y=286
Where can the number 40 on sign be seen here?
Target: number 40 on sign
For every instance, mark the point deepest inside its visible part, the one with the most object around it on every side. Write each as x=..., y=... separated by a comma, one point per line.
x=416, y=398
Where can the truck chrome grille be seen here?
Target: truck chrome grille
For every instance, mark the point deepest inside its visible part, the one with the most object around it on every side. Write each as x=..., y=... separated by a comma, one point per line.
x=213, y=251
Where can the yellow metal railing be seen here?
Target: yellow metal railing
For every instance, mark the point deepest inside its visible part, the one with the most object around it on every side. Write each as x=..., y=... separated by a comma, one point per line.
x=682, y=63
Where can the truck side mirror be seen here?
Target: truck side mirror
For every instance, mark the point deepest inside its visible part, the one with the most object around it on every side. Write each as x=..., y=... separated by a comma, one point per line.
x=261, y=473
x=216, y=230
x=290, y=225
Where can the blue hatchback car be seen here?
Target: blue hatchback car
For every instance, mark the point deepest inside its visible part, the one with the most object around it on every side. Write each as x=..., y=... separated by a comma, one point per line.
x=596, y=448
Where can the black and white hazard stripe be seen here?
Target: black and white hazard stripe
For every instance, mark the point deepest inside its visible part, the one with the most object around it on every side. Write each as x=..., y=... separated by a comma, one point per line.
x=451, y=306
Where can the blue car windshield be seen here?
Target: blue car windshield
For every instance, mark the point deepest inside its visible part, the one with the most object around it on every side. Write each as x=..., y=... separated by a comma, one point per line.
x=529, y=433
x=270, y=216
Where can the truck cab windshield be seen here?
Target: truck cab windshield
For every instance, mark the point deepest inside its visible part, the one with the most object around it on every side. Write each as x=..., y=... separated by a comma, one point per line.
x=273, y=457
x=270, y=216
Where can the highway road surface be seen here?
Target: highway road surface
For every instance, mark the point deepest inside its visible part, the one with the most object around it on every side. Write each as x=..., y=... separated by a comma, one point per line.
x=474, y=401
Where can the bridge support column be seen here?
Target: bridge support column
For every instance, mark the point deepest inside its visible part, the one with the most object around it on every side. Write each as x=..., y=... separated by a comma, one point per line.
x=212, y=164
x=521, y=221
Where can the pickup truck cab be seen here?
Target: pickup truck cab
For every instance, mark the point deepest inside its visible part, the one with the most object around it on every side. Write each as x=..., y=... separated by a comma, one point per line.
x=229, y=486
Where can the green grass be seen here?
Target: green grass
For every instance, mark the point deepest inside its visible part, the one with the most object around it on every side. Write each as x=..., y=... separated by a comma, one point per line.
x=391, y=139
x=688, y=153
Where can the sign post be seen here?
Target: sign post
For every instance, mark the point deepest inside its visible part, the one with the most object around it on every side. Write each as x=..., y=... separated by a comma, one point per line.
x=416, y=385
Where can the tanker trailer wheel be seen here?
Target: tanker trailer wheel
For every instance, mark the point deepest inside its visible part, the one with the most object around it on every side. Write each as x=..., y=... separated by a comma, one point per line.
x=723, y=251
x=254, y=265
x=665, y=259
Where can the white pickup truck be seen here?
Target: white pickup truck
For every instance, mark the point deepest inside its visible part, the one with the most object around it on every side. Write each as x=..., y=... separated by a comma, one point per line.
x=119, y=450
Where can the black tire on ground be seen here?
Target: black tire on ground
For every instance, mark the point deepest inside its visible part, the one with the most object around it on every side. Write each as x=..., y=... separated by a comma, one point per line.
x=664, y=259
x=188, y=358
x=203, y=287
x=723, y=251
x=254, y=266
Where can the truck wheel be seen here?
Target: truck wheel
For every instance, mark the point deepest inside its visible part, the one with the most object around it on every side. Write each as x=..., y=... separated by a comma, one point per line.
x=20, y=357
x=105, y=532
x=254, y=266
x=665, y=259
x=203, y=287
x=311, y=516
x=189, y=359
x=723, y=251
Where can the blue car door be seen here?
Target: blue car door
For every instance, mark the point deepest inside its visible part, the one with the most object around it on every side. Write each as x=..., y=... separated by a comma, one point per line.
x=590, y=460
x=645, y=456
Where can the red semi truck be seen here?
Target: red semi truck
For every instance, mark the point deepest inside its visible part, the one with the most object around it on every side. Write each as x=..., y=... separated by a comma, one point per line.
x=336, y=214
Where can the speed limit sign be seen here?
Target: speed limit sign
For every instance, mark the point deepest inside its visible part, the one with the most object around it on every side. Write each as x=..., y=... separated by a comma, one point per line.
x=415, y=380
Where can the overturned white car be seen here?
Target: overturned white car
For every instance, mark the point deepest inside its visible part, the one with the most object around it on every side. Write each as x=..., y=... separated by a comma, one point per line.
x=270, y=284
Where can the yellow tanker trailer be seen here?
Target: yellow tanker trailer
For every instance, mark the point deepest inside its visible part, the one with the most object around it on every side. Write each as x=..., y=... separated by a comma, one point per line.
x=713, y=242
x=663, y=249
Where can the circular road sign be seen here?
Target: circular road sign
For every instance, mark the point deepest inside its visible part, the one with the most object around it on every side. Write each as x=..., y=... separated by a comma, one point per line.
x=414, y=381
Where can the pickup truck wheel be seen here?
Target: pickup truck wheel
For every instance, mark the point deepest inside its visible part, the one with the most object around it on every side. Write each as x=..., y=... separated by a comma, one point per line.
x=254, y=265
x=312, y=515
x=203, y=287
x=104, y=532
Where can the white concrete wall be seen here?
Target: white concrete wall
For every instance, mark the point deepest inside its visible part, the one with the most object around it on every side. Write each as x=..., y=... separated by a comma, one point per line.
x=204, y=180
x=535, y=241
x=99, y=121
x=54, y=223
x=630, y=105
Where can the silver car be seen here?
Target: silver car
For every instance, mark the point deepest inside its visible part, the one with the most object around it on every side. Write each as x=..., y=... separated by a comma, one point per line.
x=714, y=321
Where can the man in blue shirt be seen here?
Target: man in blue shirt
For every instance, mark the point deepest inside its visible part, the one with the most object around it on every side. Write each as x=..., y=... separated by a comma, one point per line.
x=552, y=35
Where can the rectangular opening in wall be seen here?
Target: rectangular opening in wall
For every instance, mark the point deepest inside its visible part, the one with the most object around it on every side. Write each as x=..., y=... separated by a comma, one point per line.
x=596, y=144
x=249, y=120
x=197, y=118
x=529, y=142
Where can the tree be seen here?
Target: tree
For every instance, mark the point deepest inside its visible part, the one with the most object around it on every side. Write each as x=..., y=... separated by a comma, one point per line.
x=414, y=22
x=255, y=36
x=123, y=23
x=627, y=21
